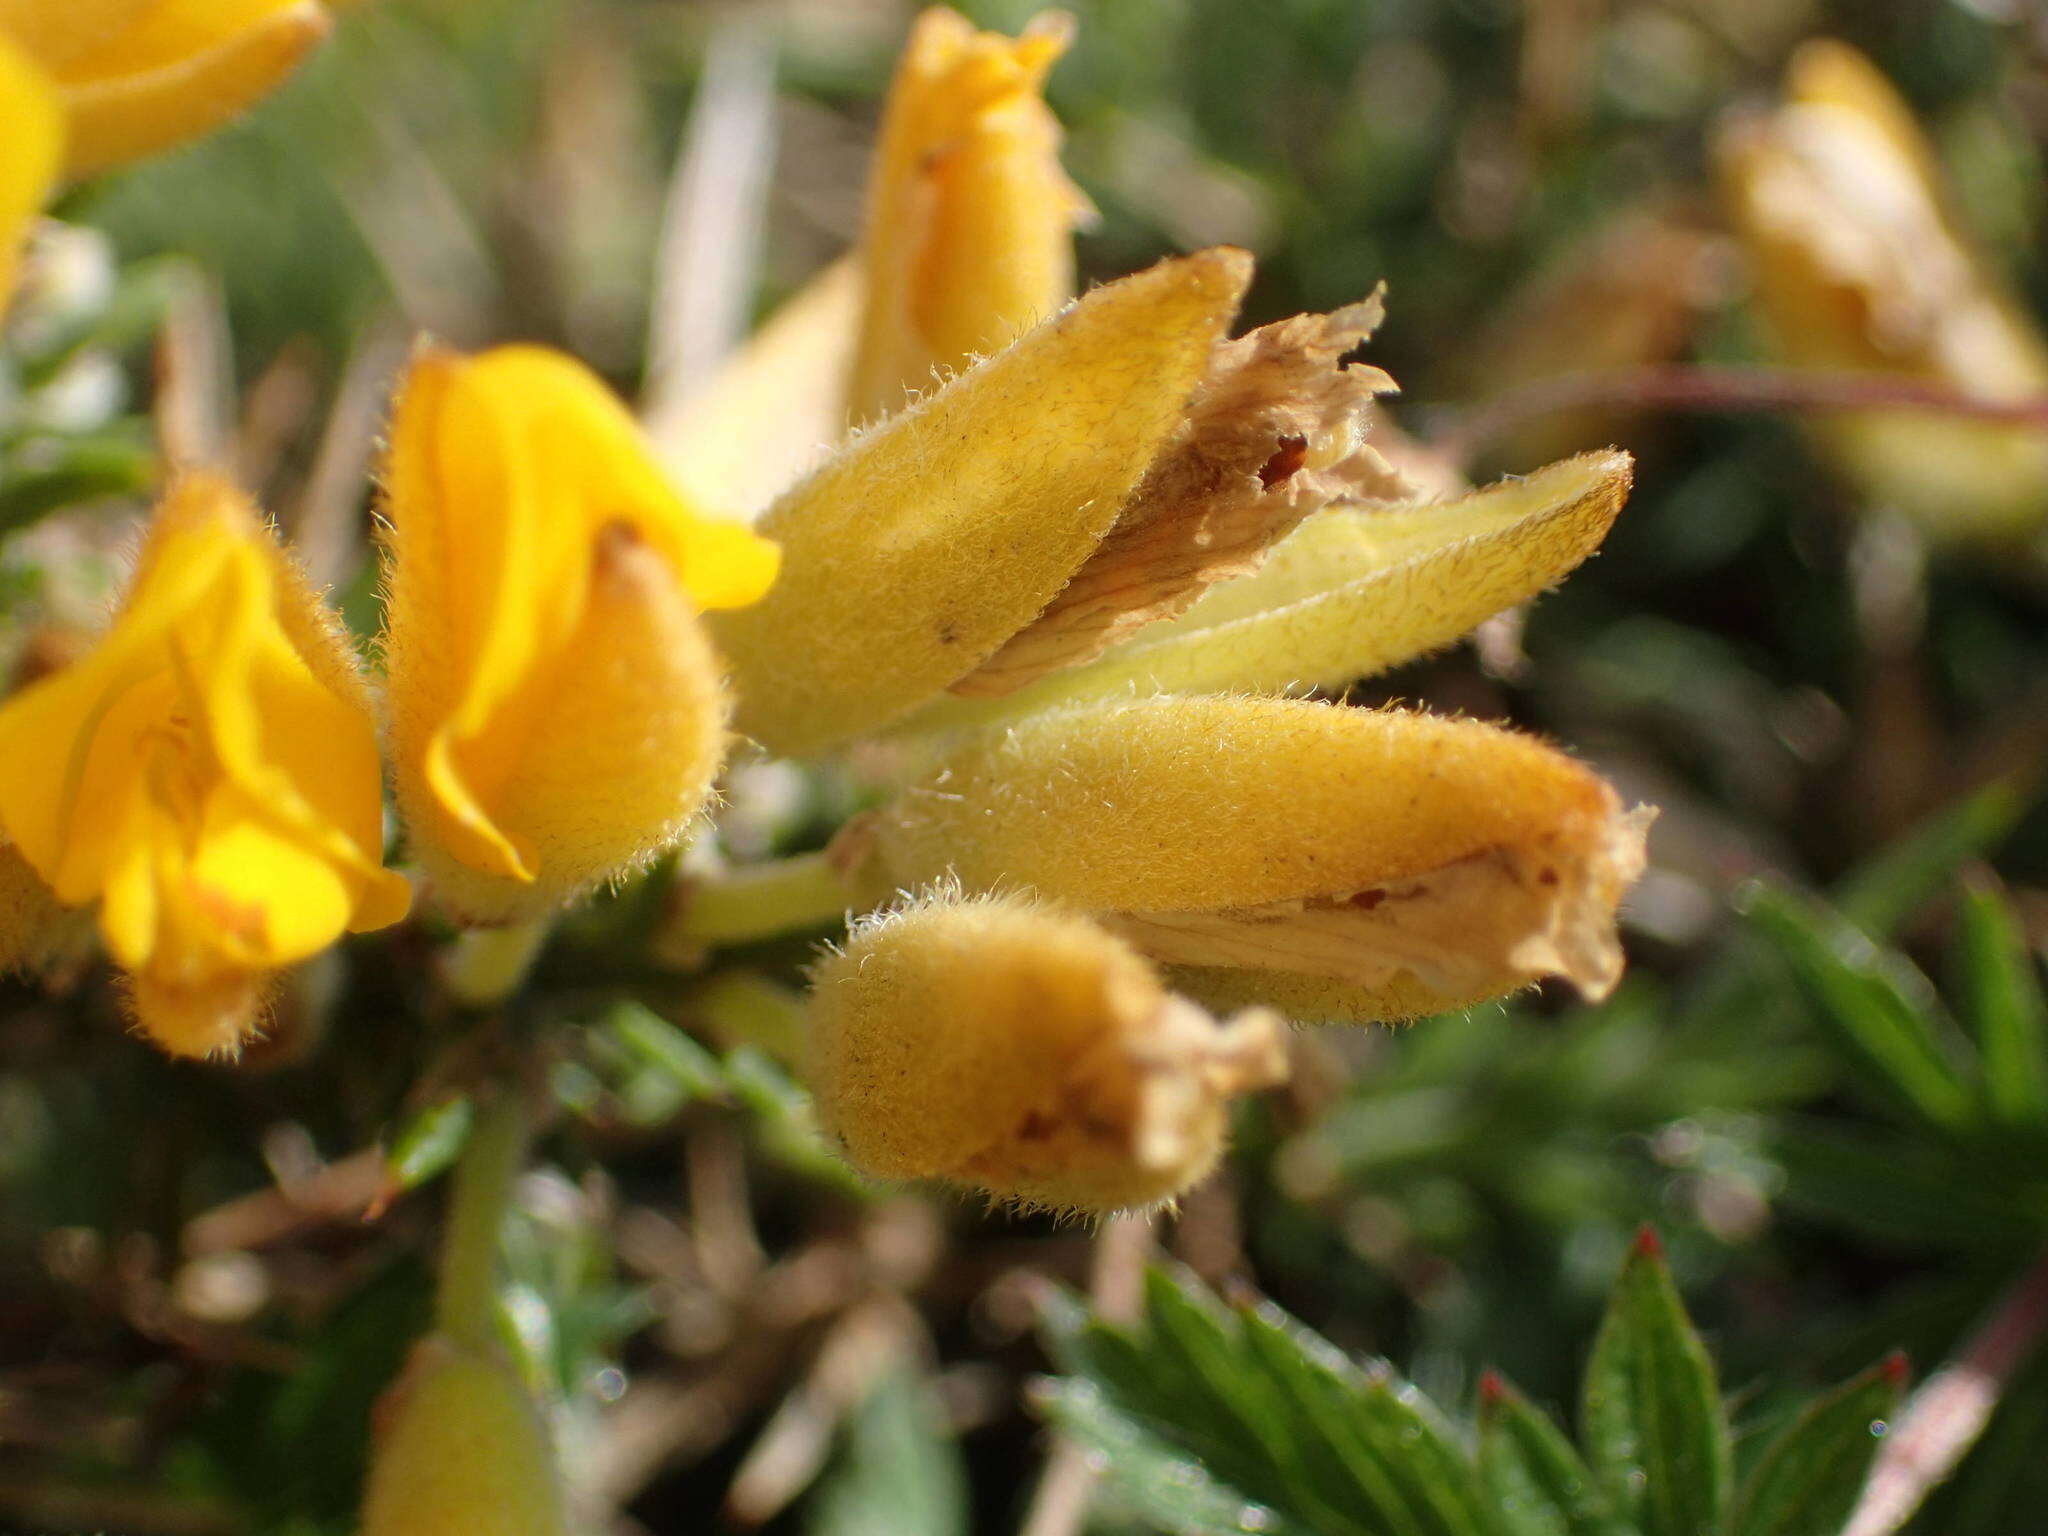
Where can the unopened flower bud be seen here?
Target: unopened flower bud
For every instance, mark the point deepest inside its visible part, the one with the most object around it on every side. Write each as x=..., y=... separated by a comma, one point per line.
x=557, y=713
x=460, y=1448
x=1096, y=475
x=1005, y=1046
x=1412, y=864
x=968, y=240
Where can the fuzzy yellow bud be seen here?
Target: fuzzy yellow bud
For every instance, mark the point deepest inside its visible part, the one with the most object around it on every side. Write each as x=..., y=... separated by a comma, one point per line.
x=1353, y=591
x=557, y=713
x=137, y=76
x=1024, y=1052
x=208, y=774
x=1414, y=864
x=968, y=239
x=1860, y=266
x=34, y=153
x=461, y=1448
x=1095, y=475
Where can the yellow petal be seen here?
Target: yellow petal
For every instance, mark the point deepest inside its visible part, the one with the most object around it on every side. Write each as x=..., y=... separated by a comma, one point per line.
x=927, y=542
x=1026, y=1053
x=1353, y=592
x=968, y=239
x=34, y=151
x=535, y=544
x=53, y=32
x=182, y=69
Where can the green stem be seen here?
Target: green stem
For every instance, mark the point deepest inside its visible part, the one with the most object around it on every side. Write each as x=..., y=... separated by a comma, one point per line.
x=757, y=901
x=465, y=1301
x=484, y=966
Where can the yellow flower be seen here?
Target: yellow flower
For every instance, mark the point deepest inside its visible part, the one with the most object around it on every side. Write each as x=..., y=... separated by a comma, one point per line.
x=459, y=1446
x=1859, y=266
x=1338, y=863
x=208, y=774
x=32, y=156
x=968, y=238
x=1026, y=1053
x=967, y=243
x=557, y=713
x=137, y=76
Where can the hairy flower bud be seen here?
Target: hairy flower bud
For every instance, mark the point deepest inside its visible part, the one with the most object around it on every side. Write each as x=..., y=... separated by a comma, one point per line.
x=1097, y=474
x=460, y=1447
x=208, y=774
x=1860, y=266
x=1421, y=863
x=1354, y=591
x=137, y=76
x=1024, y=1052
x=557, y=713
x=968, y=237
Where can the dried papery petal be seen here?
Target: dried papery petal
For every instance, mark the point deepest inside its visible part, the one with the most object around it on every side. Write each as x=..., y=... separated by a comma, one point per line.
x=1274, y=432
x=1026, y=1053
x=1281, y=834
x=924, y=544
x=1350, y=593
x=29, y=912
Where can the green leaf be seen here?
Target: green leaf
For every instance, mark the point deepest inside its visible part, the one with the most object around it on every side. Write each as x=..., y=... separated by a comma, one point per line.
x=1882, y=892
x=83, y=469
x=1278, y=1417
x=1879, y=1006
x=1809, y=1478
x=899, y=1471
x=2002, y=999
x=430, y=1142
x=1538, y=1484
x=1652, y=1417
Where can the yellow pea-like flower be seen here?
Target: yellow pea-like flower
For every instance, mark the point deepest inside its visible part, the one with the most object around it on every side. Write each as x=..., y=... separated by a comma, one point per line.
x=1024, y=1052
x=1410, y=864
x=31, y=159
x=968, y=236
x=557, y=714
x=137, y=76
x=1860, y=266
x=208, y=774
x=459, y=1446
x=1354, y=591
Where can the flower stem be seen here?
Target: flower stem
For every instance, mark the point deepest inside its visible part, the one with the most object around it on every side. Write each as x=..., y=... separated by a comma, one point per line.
x=465, y=1300
x=755, y=901
x=485, y=966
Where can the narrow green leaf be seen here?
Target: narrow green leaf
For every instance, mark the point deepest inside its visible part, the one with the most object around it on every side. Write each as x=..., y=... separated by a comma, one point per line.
x=430, y=1142
x=2002, y=997
x=1809, y=1478
x=1882, y=892
x=1878, y=1007
x=1652, y=1417
x=1537, y=1482
x=899, y=1471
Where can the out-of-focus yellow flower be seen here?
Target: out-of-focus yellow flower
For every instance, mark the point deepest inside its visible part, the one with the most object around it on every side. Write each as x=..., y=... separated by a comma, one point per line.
x=1024, y=1052
x=1338, y=863
x=968, y=239
x=967, y=243
x=1094, y=476
x=30, y=158
x=208, y=774
x=557, y=713
x=1860, y=265
x=137, y=76
x=460, y=1447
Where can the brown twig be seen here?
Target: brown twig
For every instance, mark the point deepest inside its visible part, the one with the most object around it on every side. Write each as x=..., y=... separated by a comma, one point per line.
x=1686, y=387
x=1948, y=1413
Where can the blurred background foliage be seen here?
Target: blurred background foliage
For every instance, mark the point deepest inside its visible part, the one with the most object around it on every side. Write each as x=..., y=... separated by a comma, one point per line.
x=1845, y=730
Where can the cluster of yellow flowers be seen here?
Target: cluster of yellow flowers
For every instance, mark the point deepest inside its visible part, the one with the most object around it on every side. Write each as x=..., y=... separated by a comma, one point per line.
x=1065, y=556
